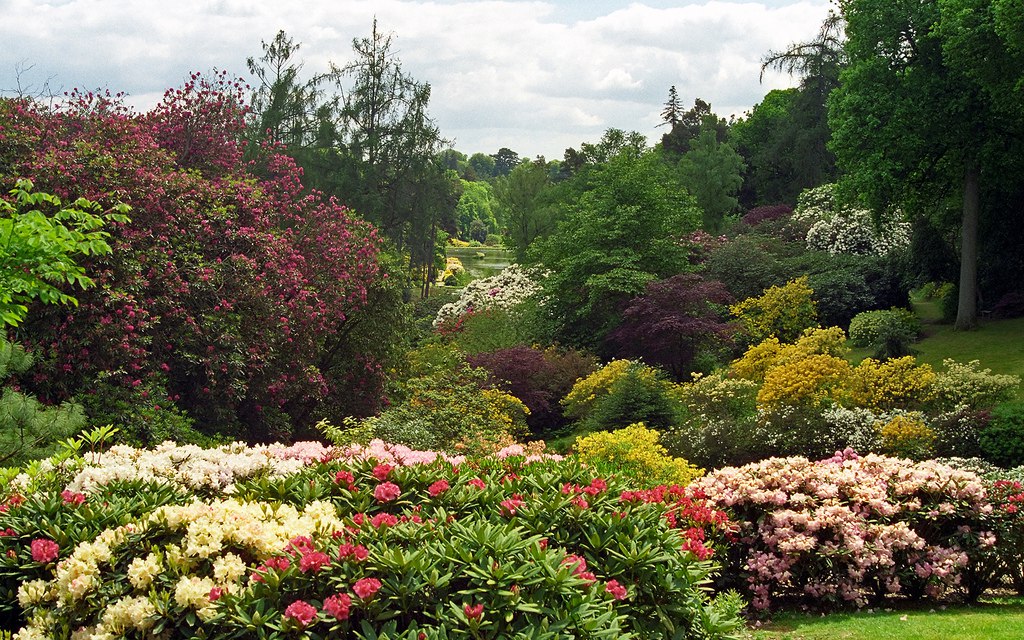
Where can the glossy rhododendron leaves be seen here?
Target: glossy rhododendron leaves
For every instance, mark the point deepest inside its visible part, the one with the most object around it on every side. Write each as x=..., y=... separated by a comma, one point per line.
x=229, y=284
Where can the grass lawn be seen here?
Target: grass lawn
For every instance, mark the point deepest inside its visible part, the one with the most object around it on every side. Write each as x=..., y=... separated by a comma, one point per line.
x=997, y=344
x=1000, y=620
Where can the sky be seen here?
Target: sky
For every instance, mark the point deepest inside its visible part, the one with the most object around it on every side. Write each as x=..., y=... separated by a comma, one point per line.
x=536, y=76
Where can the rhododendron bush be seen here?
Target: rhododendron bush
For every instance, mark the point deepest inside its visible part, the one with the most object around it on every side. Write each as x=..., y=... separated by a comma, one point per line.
x=226, y=295
x=361, y=541
x=850, y=530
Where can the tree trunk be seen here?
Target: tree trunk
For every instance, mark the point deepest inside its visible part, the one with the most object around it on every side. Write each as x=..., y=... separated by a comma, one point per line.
x=967, y=307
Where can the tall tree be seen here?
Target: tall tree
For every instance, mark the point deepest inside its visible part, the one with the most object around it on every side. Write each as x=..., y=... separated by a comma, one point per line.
x=712, y=172
x=526, y=212
x=505, y=160
x=673, y=111
x=621, y=232
x=915, y=126
x=689, y=125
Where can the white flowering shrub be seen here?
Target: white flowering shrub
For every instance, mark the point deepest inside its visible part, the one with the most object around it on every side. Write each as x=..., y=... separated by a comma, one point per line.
x=839, y=229
x=507, y=290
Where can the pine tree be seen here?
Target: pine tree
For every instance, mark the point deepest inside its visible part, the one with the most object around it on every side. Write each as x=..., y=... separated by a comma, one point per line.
x=673, y=111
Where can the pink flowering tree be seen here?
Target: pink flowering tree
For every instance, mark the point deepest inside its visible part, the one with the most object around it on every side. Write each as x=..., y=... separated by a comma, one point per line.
x=231, y=293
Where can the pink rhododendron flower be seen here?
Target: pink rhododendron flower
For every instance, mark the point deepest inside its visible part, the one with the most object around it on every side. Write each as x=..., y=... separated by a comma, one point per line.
x=216, y=593
x=338, y=606
x=366, y=588
x=383, y=520
x=381, y=471
x=314, y=561
x=616, y=590
x=510, y=505
x=44, y=550
x=437, y=488
x=301, y=612
x=478, y=483
x=72, y=498
x=386, y=492
x=473, y=611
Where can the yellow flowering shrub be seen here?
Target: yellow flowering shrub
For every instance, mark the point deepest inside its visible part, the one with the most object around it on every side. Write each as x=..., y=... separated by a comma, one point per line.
x=807, y=381
x=634, y=450
x=783, y=312
x=907, y=437
x=586, y=391
x=758, y=359
x=899, y=383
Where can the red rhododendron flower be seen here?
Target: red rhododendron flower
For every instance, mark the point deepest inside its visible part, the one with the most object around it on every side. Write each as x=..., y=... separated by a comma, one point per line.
x=437, y=488
x=381, y=471
x=280, y=563
x=345, y=477
x=478, y=483
x=616, y=590
x=509, y=505
x=301, y=612
x=386, y=492
x=366, y=588
x=313, y=562
x=383, y=520
x=216, y=593
x=72, y=498
x=300, y=545
x=44, y=550
x=473, y=611
x=338, y=606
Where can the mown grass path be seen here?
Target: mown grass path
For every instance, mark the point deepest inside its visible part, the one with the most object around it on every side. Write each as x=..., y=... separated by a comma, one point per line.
x=1003, y=620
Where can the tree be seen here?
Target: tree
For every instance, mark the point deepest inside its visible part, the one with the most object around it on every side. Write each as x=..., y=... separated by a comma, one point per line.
x=285, y=108
x=621, y=232
x=505, y=160
x=673, y=322
x=525, y=210
x=483, y=165
x=476, y=204
x=220, y=299
x=913, y=117
x=784, y=138
x=712, y=172
x=40, y=243
x=689, y=125
x=673, y=111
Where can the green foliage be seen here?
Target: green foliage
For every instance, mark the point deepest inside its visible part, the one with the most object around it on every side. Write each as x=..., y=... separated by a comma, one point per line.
x=635, y=452
x=1002, y=441
x=476, y=211
x=527, y=205
x=29, y=429
x=40, y=240
x=712, y=173
x=621, y=233
x=443, y=403
x=620, y=394
x=888, y=332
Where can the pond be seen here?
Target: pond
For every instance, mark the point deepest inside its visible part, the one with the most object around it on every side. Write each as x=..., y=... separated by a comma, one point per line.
x=482, y=262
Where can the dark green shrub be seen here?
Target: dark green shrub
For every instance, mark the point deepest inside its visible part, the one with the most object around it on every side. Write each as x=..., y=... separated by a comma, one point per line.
x=1002, y=441
x=948, y=295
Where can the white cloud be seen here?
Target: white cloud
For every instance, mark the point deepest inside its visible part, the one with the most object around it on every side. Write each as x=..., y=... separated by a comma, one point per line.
x=530, y=75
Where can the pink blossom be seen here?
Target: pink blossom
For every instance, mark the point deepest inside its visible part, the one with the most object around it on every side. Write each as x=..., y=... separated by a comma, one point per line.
x=338, y=606
x=44, y=550
x=386, y=492
x=366, y=588
x=301, y=612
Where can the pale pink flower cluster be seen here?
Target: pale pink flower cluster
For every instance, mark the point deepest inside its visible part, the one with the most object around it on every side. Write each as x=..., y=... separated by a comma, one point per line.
x=396, y=454
x=836, y=530
x=516, y=450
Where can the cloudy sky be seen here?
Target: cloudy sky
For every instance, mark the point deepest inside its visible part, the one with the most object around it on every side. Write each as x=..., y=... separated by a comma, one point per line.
x=536, y=76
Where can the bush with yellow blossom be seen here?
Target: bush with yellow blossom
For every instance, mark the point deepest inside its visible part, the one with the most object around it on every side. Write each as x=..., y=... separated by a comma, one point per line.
x=783, y=312
x=899, y=383
x=634, y=451
x=907, y=436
